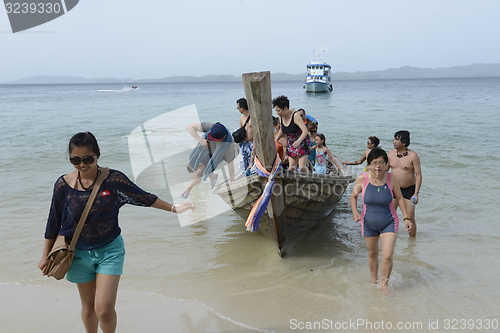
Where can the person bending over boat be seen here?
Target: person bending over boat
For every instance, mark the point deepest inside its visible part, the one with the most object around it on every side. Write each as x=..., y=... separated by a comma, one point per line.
x=372, y=142
x=246, y=149
x=298, y=139
x=215, y=146
x=100, y=251
x=405, y=164
x=378, y=217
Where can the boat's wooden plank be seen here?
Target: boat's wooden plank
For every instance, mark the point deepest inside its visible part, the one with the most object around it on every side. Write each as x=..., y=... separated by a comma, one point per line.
x=258, y=93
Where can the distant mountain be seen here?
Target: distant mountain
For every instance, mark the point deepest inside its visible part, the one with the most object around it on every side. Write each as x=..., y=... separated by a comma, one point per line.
x=40, y=79
x=406, y=72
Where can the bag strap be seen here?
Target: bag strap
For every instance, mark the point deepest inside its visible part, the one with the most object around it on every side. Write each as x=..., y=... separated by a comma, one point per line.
x=248, y=118
x=90, y=202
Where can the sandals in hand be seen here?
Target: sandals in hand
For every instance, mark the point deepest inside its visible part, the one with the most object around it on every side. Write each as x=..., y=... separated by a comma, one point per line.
x=184, y=195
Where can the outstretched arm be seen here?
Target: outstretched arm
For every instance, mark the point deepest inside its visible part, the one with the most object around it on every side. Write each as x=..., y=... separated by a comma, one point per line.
x=361, y=160
x=334, y=160
x=160, y=204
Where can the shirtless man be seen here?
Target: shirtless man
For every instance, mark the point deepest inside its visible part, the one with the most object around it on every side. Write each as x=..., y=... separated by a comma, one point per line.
x=373, y=142
x=405, y=166
x=246, y=146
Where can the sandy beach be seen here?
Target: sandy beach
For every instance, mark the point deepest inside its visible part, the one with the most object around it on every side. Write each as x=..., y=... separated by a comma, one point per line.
x=26, y=309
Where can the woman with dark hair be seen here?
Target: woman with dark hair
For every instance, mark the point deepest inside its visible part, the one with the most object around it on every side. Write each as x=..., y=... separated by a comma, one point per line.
x=378, y=217
x=99, y=253
x=293, y=126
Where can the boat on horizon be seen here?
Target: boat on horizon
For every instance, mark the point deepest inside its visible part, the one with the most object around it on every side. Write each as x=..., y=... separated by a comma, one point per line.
x=299, y=200
x=318, y=77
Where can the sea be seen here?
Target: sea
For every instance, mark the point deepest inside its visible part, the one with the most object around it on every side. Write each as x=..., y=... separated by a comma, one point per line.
x=444, y=280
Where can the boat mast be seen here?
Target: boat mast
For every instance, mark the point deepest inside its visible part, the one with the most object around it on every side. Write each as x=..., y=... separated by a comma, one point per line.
x=258, y=93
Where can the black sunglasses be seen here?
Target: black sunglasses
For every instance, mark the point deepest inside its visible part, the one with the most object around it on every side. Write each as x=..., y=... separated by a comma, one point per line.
x=87, y=160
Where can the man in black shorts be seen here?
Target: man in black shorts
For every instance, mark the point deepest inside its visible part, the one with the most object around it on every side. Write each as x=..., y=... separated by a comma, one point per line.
x=405, y=165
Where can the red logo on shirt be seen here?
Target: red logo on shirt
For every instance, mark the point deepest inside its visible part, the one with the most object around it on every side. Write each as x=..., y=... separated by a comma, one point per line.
x=104, y=193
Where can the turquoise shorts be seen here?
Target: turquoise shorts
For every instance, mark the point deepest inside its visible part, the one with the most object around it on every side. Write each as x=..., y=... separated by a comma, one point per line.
x=105, y=260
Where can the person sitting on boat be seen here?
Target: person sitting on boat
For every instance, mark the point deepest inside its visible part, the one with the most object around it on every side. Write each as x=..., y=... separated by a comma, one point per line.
x=246, y=149
x=307, y=118
x=373, y=142
x=298, y=142
x=312, y=128
x=378, y=217
x=215, y=145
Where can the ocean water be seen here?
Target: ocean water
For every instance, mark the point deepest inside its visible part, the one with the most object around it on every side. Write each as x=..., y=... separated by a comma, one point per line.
x=446, y=276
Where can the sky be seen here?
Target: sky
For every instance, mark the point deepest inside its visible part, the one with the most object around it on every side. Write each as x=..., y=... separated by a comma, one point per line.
x=151, y=39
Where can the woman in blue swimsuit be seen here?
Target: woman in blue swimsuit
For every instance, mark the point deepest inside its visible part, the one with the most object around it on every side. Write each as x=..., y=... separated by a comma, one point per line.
x=378, y=217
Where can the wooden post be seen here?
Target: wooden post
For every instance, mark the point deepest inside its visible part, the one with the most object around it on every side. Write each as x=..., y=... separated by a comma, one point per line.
x=258, y=93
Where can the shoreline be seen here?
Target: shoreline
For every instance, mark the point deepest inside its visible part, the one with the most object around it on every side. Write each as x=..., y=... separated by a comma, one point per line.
x=40, y=309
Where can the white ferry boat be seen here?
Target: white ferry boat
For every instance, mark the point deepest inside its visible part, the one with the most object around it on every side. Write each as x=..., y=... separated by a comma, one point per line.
x=318, y=77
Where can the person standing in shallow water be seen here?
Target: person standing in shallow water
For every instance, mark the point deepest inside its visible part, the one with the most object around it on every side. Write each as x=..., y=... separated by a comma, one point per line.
x=100, y=251
x=372, y=142
x=378, y=218
x=405, y=165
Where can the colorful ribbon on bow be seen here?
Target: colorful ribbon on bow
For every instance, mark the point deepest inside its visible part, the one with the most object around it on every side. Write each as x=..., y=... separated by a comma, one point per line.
x=260, y=206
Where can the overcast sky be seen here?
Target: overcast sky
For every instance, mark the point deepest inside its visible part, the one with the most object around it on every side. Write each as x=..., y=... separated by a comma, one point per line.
x=154, y=39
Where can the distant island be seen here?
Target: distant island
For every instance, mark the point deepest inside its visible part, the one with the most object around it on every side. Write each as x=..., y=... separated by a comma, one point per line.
x=406, y=72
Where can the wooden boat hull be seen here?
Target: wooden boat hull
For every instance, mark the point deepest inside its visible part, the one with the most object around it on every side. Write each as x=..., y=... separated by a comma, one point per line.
x=298, y=200
x=309, y=198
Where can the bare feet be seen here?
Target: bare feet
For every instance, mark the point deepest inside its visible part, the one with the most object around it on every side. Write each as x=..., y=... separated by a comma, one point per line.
x=385, y=290
x=384, y=286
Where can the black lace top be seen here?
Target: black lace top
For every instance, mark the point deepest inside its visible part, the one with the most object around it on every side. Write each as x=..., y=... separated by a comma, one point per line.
x=101, y=226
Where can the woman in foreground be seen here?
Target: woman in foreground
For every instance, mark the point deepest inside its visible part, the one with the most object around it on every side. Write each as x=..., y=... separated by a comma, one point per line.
x=100, y=252
x=378, y=217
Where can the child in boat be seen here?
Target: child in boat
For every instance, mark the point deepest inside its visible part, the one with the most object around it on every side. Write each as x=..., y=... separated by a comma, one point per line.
x=312, y=128
x=321, y=152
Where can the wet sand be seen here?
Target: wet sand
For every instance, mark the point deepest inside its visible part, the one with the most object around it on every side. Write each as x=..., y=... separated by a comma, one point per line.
x=48, y=309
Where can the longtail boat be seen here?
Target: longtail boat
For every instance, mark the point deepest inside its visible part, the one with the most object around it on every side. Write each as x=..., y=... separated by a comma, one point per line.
x=299, y=200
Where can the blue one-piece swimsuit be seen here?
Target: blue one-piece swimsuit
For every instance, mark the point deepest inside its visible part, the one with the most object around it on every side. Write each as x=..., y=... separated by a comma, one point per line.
x=379, y=215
